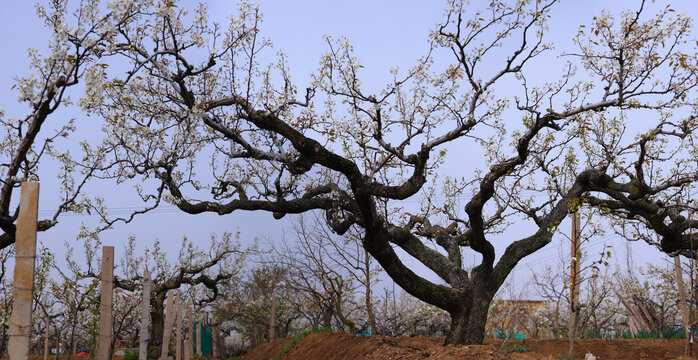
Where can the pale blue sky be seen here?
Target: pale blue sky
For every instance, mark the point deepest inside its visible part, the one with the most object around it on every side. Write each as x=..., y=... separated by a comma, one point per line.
x=384, y=33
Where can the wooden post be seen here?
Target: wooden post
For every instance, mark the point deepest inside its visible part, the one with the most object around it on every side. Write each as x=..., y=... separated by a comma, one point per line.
x=189, y=348
x=23, y=283
x=169, y=323
x=574, y=279
x=198, y=339
x=48, y=324
x=178, y=329
x=145, y=316
x=682, y=297
x=105, y=306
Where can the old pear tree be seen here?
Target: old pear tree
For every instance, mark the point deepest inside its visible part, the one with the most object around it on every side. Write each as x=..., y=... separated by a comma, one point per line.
x=208, y=118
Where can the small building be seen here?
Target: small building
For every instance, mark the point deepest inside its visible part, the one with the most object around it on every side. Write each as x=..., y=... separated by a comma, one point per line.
x=511, y=319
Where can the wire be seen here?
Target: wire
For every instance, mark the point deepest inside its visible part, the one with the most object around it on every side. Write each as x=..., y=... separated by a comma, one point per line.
x=555, y=255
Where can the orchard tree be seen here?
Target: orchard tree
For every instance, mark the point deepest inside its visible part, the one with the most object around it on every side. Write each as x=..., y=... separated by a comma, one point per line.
x=651, y=297
x=329, y=271
x=79, y=38
x=614, y=130
x=194, y=269
x=599, y=309
x=246, y=306
x=402, y=314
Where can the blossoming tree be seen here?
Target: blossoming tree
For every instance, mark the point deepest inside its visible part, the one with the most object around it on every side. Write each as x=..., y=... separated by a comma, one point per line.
x=215, y=119
x=79, y=35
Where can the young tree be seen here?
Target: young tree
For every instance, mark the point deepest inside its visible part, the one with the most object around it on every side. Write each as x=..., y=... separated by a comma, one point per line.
x=330, y=270
x=78, y=295
x=194, y=267
x=247, y=306
x=599, y=307
x=197, y=89
x=403, y=314
x=651, y=298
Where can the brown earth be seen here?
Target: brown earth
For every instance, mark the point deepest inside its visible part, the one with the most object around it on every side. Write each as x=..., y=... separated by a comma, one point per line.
x=340, y=346
x=61, y=357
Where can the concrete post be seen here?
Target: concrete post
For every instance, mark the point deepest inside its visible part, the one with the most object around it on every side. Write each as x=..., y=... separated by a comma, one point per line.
x=105, y=306
x=685, y=315
x=198, y=339
x=189, y=348
x=145, y=316
x=178, y=329
x=25, y=255
x=169, y=323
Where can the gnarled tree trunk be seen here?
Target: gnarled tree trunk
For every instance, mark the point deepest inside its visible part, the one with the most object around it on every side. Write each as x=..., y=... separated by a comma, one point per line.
x=157, y=325
x=468, y=322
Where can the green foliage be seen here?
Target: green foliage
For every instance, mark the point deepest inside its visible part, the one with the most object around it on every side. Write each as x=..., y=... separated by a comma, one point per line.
x=667, y=333
x=249, y=306
x=499, y=335
x=321, y=330
x=514, y=347
x=130, y=355
x=594, y=334
x=297, y=339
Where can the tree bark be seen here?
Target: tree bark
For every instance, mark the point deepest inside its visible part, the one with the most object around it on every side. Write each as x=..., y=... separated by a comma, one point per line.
x=3, y=335
x=369, y=309
x=156, y=332
x=369, y=295
x=327, y=318
x=468, y=322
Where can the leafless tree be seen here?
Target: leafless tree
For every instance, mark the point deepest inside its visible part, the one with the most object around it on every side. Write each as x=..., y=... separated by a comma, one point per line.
x=330, y=269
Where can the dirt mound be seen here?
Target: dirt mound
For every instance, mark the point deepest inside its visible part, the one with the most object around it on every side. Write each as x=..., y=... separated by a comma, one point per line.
x=340, y=346
x=60, y=357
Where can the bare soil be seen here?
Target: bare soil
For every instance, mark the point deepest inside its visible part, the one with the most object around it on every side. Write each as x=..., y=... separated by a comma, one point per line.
x=61, y=357
x=340, y=346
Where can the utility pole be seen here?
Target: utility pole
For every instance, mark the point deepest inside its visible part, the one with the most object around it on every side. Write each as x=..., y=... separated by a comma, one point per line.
x=574, y=280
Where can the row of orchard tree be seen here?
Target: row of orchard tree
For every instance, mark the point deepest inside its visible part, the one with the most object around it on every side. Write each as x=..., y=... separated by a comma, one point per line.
x=317, y=284
x=312, y=279
x=70, y=305
x=612, y=130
